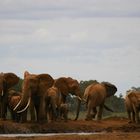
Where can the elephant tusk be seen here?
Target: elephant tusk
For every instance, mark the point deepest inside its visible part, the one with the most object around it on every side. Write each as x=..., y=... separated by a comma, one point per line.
x=17, y=105
x=2, y=93
x=84, y=100
x=72, y=96
x=79, y=98
x=25, y=106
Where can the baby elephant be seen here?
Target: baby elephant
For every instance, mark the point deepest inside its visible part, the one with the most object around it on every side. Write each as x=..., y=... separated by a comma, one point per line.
x=13, y=99
x=64, y=111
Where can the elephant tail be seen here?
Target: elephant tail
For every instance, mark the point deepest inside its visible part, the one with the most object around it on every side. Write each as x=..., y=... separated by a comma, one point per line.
x=107, y=108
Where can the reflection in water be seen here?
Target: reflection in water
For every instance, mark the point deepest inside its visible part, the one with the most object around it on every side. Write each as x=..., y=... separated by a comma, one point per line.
x=49, y=134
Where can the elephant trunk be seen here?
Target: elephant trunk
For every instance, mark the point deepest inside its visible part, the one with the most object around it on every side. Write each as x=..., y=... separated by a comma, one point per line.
x=78, y=108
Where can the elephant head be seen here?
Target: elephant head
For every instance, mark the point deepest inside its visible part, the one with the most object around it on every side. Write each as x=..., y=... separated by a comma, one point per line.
x=69, y=85
x=110, y=88
x=34, y=88
x=7, y=80
x=30, y=84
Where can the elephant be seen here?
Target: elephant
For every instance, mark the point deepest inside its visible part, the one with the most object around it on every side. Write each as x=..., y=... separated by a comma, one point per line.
x=54, y=106
x=68, y=85
x=132, y=103
x=7, y=81
x=13, y=99
x=33, y=94
x=64, y=111
x=53, y=101
x=95, y=95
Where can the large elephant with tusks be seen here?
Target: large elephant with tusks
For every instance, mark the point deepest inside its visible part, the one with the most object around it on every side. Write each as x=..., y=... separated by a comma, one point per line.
x=33, y=93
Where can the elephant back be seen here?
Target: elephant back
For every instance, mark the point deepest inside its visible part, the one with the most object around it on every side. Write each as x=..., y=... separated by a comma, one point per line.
x=110, y=88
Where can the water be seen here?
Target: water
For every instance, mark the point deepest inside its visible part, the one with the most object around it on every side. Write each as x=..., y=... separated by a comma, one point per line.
x=48, y=134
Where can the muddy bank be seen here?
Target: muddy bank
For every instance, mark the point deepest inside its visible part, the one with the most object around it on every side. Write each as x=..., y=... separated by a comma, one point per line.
x=114, y=124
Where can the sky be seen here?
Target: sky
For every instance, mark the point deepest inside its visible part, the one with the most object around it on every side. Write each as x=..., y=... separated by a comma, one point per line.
x=82, y=39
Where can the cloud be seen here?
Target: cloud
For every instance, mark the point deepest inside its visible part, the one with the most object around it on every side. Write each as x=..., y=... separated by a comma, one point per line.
x=34, y=9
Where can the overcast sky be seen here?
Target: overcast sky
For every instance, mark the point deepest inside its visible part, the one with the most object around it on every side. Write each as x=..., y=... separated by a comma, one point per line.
x=83, y=39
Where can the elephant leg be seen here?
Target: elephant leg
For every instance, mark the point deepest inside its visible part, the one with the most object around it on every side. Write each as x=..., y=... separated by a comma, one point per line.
x=89, y=108
x=66, y=115
x=32, y=111
x=0, y=107
x=4, y=109
x=94, y=112
x=41, y=111
x=47, y=111
x=100, y=111
x=23, y=116
x=17, y=117
x=51, y=114
x=133, y=116
x=37, y=112
x=12, y=114
x=36, y=101
x=137, y=116
x=64, y=112
x=136, y=111
x=129, y=116
x=58, y=113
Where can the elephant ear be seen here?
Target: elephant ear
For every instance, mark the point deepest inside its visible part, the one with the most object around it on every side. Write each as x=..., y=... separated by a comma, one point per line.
x=11, y=79
x=45, y=80
x=73, y=85
x=62, y=85
x=110, y=88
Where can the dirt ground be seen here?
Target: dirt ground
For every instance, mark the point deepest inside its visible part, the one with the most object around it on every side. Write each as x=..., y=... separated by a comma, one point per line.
x=115, y=128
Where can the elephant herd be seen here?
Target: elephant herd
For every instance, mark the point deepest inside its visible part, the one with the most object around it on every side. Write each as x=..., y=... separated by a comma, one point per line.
x=45, y=98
